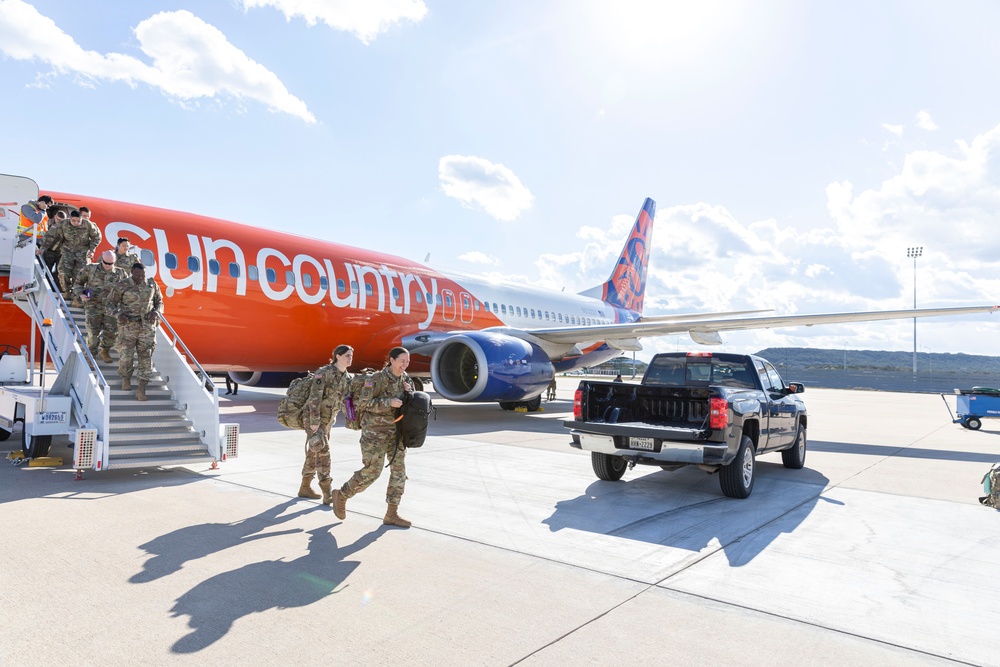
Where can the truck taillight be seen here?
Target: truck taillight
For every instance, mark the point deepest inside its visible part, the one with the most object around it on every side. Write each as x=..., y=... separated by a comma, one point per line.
x=718, y=413
x=578, y=405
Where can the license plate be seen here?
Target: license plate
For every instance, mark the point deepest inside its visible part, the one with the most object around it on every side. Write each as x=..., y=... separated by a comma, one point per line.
x=641, y=443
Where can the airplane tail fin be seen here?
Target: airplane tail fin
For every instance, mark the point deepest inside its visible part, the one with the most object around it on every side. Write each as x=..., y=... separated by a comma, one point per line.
x=627, y=285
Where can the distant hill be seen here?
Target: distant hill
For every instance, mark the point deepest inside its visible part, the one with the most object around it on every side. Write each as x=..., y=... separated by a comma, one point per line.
x=821, y=359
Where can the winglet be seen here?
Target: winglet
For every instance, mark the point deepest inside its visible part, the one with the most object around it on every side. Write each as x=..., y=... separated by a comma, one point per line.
x=627, y=284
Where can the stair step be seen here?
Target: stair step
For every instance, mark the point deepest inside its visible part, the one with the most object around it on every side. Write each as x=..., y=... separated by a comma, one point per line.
x=116, y=437
x=159, y=462
x=182, y=449
x=173, y=423
x=143, y=410
x=136, y=407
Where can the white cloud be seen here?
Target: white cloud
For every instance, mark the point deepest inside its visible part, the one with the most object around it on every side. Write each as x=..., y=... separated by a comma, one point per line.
x=893, y=129
x=366, y=19
x=479, y=183
x=477, y=257
x=191, y=59
x=924, y=121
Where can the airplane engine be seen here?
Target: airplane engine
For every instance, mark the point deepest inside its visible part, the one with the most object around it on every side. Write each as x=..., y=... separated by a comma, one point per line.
x=484, y=366
x=263, y=379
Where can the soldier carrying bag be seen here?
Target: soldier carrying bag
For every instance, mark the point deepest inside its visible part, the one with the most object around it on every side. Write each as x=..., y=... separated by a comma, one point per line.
x=991, y=485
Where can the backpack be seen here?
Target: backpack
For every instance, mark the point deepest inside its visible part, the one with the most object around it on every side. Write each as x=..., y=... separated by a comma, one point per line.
x=351, y=416
x=290, y=407
x=411, y=429
x=991, y=485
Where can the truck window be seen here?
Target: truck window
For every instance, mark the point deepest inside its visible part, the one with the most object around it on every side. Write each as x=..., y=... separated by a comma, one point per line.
x=774, y=380
x=705, y=371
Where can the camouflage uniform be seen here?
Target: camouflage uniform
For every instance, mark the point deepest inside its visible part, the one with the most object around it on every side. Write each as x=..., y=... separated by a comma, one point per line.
x=378, y=436
x=326, y=399
x=76, y=242
x=131, y=304
x=126, y=261
x=102, y=326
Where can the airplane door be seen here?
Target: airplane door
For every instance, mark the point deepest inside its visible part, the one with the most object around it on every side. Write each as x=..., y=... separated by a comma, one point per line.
x=465, y=307
x=15, y=191
x=448, y=306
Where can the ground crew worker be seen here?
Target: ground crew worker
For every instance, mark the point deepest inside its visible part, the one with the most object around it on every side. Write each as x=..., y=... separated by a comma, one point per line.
x=136, y=302
x=326, y=398
x=123, y=258
x=33, y=221
x=93, y=287
x=79, y=238
x=381, y=395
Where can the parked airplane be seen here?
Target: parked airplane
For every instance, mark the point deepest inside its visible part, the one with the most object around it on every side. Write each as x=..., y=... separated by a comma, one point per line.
x=254, y=301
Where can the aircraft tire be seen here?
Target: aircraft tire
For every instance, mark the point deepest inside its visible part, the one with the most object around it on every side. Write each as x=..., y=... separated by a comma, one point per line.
x=533, y=404
x=508, y=405
x=737, y=478
x=418, y=384
x=608, y=467
x=795, y=457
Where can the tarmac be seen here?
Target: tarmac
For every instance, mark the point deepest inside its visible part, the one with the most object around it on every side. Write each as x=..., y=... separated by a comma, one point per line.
x=876, y=553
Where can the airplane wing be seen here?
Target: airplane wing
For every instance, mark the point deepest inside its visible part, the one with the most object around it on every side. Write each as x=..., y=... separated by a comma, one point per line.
x=706, y=331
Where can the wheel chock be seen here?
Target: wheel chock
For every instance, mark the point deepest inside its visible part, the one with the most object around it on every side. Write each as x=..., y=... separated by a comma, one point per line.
x=17, y=455
x=45, y=462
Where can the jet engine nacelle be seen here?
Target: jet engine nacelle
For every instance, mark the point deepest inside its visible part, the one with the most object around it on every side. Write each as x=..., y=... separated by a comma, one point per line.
x=484, y=366
x=263, y=379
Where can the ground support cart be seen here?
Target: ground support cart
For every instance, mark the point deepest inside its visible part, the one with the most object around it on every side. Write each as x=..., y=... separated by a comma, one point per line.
x=974, y=405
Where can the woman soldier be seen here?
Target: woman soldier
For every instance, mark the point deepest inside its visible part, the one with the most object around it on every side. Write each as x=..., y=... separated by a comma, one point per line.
x=381, y=395
x=326, y=399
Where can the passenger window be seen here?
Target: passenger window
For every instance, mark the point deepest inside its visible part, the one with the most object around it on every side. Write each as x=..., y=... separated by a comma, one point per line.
x=395, y=294
x=494, y=308
x=354, y=287
x=419, y=297
x=289, y=278
x=476, y=304
x=323, y=282
x=272, y=276
x=214, y=267
x=503, y=308
x=234, y=269
x=437, y=299
x=341, y=285
x=252, y=272
x=532, y=313
x=369, y=290
x=146, y=257
x=194, y=265
x=447, y=301
x=307, y=280
x=170, y=259
x=519, y=311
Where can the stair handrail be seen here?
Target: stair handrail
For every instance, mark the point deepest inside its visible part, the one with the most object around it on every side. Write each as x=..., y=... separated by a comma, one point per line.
x=177, y=341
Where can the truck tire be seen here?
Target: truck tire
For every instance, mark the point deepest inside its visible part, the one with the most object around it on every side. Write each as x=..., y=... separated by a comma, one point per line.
x=795, y=457
x=35, y=447
x=4, y=434
x=737, y=478
x=608, y=467
x=975, y=423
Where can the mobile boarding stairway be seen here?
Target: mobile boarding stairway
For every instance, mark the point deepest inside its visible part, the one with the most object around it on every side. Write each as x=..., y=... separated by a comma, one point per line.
x=107, y=426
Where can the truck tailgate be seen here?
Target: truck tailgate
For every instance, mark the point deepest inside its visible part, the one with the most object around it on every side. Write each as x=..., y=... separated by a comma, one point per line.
x=640, y=430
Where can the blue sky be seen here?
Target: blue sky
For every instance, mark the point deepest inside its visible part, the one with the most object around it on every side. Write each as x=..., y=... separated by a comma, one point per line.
x=795, y=149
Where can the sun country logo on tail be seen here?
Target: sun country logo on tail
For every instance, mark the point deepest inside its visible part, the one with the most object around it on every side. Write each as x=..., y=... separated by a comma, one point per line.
x=627, y=285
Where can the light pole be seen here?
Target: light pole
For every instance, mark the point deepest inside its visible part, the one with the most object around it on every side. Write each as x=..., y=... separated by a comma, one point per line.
x=915, y=252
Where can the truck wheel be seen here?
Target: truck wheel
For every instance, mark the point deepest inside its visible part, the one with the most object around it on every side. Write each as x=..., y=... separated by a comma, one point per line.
x=975, y=423
x=608, y=467
x=795, y=457
x=736, y=479
x=35, y=446
x=4, y=434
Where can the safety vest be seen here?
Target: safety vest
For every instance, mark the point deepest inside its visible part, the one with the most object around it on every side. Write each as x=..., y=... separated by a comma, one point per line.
x=31, y=226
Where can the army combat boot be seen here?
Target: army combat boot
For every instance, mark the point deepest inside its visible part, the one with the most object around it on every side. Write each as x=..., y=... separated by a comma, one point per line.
x=127, y=382
x=105, y=355
x=339, y=504
x=324, y=485
x=392, y=518
x=140, y=395
x=305, y=491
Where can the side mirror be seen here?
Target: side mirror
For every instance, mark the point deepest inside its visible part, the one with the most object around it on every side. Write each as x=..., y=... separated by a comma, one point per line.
x=796, y=388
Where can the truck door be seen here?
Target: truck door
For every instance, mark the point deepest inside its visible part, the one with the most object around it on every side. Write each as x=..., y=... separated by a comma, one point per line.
x=780, y=410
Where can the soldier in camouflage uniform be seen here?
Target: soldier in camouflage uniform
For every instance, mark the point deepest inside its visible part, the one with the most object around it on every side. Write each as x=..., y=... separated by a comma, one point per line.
x=98, y=280
x=136, y=302
x=326, y=398
x=381, y=395
x=123, y=258
x=77, y=239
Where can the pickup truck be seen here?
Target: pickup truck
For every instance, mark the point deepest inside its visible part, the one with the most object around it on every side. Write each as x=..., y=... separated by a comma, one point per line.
x=716, y=411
